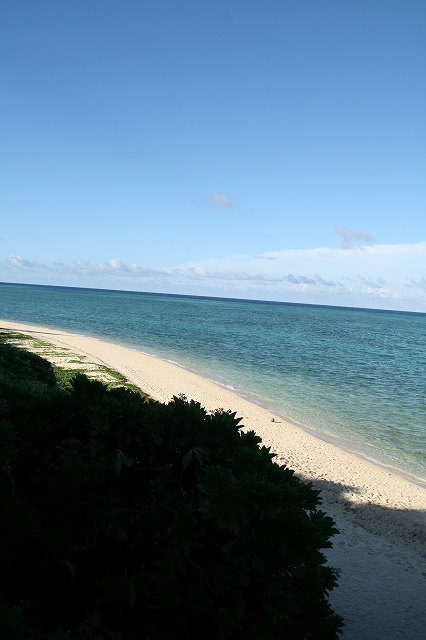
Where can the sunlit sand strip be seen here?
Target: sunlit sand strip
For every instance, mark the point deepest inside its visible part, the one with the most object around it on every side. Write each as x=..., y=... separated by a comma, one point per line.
x=63, y=357
x=381, y=516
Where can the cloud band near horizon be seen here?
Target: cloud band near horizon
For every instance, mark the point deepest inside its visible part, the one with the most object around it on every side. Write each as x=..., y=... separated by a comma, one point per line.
x=374, y=272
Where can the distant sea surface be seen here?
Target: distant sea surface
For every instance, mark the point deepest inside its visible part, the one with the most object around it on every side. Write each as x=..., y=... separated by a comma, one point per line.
x=355, y=377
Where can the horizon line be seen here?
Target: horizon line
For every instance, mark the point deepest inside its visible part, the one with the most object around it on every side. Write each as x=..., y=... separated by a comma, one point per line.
x=222, y=298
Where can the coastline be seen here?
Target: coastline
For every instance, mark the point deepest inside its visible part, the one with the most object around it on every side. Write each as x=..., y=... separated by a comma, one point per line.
x=381, y=515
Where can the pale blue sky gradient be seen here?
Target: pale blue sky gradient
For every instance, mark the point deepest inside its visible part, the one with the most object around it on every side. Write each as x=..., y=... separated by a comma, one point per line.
x=270, y=150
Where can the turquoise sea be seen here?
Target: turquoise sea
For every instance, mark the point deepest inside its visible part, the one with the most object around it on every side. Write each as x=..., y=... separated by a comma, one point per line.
x=356, y=377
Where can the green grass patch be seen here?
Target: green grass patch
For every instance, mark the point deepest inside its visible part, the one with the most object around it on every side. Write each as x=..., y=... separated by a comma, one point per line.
x=63, y=375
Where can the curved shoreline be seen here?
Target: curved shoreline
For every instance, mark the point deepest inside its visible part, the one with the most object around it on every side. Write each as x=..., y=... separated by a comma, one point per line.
x=381, y=515
x=346, y=445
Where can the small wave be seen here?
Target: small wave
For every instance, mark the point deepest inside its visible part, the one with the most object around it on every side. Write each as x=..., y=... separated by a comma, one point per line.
x=176, y=363
x=225, y=386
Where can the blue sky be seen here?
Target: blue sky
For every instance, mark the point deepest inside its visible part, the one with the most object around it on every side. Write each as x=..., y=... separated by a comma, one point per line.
x=271, y=150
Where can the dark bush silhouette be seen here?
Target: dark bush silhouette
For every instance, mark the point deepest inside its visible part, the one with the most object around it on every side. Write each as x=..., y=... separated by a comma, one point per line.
x=127, y=519
x=24, y=365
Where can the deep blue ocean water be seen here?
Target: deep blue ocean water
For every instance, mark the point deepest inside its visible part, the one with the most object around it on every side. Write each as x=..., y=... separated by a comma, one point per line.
x=353, y=376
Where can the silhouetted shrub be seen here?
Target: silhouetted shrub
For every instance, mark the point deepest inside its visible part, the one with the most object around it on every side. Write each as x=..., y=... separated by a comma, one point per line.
x=124, y=519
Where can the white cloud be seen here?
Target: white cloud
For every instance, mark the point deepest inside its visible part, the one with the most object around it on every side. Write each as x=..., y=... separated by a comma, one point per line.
x=391, y=250
x=114, y=267
x=222, y=202
x=23, y=263
x=199, y=271
x=115, y=264
x=358, y=276
x=379, y=291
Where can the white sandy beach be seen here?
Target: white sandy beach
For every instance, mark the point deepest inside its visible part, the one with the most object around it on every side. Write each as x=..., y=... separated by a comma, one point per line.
x=381, y=516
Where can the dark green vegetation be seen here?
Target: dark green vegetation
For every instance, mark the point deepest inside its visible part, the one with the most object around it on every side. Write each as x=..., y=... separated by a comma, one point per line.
x=124, y=519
